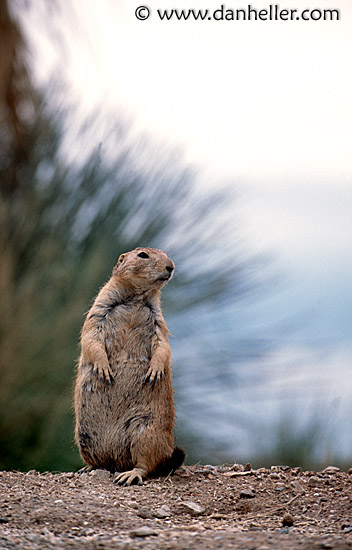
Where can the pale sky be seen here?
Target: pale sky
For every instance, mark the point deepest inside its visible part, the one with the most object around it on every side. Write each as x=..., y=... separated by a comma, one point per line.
x=254, y=99
x=260, y=99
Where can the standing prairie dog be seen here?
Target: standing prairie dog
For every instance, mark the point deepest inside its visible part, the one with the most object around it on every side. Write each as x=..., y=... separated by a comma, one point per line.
x=123, y=395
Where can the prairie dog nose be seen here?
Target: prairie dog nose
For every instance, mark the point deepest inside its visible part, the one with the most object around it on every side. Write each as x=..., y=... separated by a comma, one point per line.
x=169, y=268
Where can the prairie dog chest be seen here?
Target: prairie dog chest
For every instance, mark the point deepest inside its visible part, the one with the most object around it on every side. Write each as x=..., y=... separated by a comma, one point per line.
x=130, y=328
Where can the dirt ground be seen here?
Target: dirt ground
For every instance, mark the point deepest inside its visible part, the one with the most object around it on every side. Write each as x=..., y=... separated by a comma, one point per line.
x=203, y=507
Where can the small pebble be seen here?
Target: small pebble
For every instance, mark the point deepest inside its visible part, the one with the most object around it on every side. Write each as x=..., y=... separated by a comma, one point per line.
x=247, y=493
x=315, y=481
x=145, y=513
x=331, y=470
x=193, y=507
x=100, y=474
x=296, y=486
x=83, y=477
x=162, y=512
x=287, y=520
x=132, y=504
x=237, y=468
x=144, y=531
x=87, y=532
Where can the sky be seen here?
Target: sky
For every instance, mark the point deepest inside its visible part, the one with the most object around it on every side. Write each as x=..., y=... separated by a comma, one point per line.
x=264, y=105
x=269, y=100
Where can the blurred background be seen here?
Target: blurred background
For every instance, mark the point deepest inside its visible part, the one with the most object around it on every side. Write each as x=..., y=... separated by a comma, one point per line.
x=227, y=144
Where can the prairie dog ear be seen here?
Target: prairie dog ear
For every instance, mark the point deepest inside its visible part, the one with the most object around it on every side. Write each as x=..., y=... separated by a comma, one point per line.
x=121, y=259
x=119, y=262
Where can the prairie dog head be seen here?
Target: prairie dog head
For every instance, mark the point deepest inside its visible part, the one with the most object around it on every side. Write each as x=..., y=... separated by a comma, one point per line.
x=144, y=268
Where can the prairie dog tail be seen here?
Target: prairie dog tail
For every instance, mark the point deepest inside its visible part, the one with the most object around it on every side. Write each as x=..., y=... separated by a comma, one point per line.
x=171, y=464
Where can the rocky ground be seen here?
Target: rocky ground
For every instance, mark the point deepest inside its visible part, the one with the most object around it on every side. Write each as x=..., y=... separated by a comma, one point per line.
x=203, y=507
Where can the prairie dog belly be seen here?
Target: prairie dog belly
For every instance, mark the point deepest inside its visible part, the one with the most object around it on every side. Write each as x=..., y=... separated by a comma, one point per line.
x=129, y=404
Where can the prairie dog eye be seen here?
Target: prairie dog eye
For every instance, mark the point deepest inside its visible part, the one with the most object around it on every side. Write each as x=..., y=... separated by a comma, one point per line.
x=143, y=255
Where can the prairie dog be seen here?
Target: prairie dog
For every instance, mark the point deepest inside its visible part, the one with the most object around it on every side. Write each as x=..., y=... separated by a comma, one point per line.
x=123, y=394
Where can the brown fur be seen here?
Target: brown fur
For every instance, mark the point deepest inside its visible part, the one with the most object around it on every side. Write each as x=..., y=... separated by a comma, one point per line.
x=123, y=395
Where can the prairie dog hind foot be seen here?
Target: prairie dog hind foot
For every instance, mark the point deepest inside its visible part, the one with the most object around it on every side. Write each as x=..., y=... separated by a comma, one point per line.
x=131, y=477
